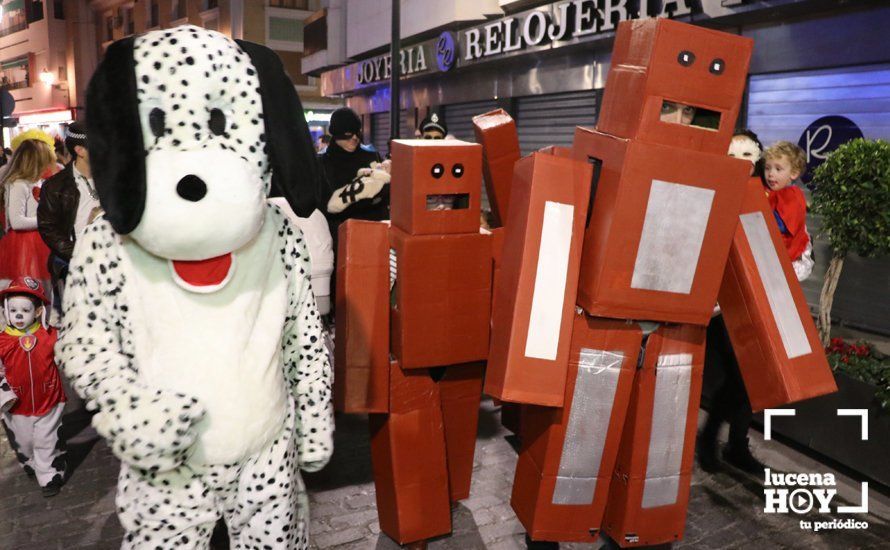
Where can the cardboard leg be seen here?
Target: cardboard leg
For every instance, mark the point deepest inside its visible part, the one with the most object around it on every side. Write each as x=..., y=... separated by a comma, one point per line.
x=568, y=454
x=408, y=457
x=461, y=391
x=650, y=491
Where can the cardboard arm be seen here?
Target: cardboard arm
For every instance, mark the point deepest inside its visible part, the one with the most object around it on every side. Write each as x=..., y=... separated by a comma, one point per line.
x=361, y=362
x=496, y=131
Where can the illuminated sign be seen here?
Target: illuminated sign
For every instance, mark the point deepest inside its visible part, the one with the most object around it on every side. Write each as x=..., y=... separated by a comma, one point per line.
x=412, y=61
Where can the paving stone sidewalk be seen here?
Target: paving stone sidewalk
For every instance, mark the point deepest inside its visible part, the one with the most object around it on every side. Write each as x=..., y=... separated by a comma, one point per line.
x=725, y=509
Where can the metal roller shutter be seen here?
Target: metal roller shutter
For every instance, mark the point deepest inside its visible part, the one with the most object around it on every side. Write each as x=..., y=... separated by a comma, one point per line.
x=380, y=130
x=551, y=119
x=459, y=118
x=780, y=107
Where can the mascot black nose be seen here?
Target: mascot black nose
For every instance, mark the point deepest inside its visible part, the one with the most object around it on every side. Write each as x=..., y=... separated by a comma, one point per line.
x=191, y=188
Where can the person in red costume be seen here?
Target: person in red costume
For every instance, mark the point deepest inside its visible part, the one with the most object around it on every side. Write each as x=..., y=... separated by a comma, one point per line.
x=785, y=162
x=26, y=350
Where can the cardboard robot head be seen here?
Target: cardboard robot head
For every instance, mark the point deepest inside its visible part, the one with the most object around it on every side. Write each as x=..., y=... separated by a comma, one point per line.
x=187, y=130
x=658, y=64
x=436, y=186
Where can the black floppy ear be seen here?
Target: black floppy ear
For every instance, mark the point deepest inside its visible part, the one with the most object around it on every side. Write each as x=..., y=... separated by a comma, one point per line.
x=114, y=134
x=288, y=142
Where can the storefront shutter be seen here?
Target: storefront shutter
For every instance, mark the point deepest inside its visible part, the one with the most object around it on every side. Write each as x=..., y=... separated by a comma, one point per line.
x=380, y=130
x=459, y=118
x=551, y=119
x=780, y=107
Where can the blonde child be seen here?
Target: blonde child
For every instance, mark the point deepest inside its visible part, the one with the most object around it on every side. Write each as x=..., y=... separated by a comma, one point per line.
x=784, y=163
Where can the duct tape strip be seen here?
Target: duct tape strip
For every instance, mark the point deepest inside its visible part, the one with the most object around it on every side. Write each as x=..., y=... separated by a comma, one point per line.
x=673, y=376
x=585, y=439
x=778, y=293
x=545, y=318
x=671, y=241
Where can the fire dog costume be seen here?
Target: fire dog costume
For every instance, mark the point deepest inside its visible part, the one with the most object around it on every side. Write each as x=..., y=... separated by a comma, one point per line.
x=418, y=290
x=34, y=414
x=608, y=446
x=189, y=320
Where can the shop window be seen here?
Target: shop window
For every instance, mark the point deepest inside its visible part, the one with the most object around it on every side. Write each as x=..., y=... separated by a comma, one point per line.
x=35, y=10
x=180, y=10
x=284, y=33
x=153, y=13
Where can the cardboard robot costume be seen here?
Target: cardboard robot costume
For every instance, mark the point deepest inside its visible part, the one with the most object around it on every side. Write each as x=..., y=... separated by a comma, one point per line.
x=609, y=445
x=419, y=289
x=190, y=324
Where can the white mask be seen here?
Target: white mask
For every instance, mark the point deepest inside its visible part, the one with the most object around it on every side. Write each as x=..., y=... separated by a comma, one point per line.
x=21, y=312
x=745, y=148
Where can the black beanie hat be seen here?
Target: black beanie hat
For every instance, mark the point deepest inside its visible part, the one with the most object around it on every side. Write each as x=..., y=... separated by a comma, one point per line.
x=75, y=135
x=433, y=122
x=344, y=124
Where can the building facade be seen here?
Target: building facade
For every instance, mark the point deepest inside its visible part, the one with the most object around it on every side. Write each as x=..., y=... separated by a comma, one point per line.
x=820, y=70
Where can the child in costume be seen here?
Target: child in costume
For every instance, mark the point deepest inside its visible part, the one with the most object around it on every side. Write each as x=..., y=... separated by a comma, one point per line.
x=26, y=349
x=784, y=163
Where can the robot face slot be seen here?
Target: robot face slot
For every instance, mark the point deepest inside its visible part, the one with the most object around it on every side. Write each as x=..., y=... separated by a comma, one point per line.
x=437, y=186
x=673, y=112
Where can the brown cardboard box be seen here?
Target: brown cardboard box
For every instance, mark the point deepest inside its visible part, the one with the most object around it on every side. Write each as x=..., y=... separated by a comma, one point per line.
x=361, y=364
x=660, y=230
x=650, y=491
x=460, y=391
x=409, y=460
x=496, y=132
x=537, y=282
x=658, y=59
x=423, y=168
x=773, y=335
x=442, y=298
x=555, y=445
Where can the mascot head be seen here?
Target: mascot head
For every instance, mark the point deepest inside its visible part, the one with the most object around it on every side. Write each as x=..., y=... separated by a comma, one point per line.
x=187, y=130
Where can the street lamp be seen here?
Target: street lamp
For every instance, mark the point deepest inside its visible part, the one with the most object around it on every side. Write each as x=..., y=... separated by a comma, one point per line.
x=47, y=77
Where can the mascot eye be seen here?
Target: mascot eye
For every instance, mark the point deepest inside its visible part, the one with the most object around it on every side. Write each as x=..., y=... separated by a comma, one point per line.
x=717, y=66
x=438, y=170
x=157, y=122
x=457, y=170
x=686, y=58
x=217, y=122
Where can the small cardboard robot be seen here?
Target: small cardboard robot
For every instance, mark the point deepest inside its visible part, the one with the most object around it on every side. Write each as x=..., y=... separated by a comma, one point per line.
x=413, y=314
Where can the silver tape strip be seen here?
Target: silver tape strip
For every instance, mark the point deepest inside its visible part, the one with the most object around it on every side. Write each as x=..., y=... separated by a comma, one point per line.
x=585, y=439
x=671, y=241
x=673, y=377
x=778, y=293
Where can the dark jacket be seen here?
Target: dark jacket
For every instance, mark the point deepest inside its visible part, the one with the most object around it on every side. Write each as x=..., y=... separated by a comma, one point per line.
x=56, y=212
x=339, y=168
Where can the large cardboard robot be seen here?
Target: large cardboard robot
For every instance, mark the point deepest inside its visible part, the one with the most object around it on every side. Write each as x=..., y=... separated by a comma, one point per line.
x=614, y=254
x=413, y=313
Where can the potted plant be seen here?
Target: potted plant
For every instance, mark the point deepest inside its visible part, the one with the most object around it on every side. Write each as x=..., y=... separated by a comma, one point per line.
x=852, y=195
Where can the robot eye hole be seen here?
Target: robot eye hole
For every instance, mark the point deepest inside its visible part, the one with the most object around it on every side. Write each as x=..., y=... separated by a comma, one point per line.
x=717, y=66
x=457, y=170
x=686, y=58
x=437, y=170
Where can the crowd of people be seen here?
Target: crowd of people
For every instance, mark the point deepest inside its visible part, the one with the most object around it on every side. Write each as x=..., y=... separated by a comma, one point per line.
x=48, y=198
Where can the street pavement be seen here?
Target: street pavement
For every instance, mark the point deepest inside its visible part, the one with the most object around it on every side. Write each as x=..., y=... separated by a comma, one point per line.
x=725, y=509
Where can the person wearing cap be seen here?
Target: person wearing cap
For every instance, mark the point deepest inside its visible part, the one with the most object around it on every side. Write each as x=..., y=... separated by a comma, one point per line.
x=29, y=368
x=354, y=182
x=68, y=202
x=433, y=127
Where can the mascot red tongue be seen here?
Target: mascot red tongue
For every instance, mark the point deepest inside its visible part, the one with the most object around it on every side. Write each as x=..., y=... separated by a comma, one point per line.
x=210, y=272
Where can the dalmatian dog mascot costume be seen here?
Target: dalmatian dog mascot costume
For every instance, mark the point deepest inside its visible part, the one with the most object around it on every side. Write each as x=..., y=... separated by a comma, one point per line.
x=190, y=324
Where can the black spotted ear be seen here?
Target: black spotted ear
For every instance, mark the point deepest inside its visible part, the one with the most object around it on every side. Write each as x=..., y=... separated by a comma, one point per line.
x=114, y=132
x=288, y=142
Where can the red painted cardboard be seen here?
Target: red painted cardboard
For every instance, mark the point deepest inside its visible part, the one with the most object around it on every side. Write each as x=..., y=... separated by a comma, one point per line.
x=422, y=168
x=543, y=440
x=540, y=181
x=629, y=171
x=772, y=379
x=442, y=292
x=496, y=132
x=659, y=59
x=626, y=521
x=461, y=390
x=361, y=362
